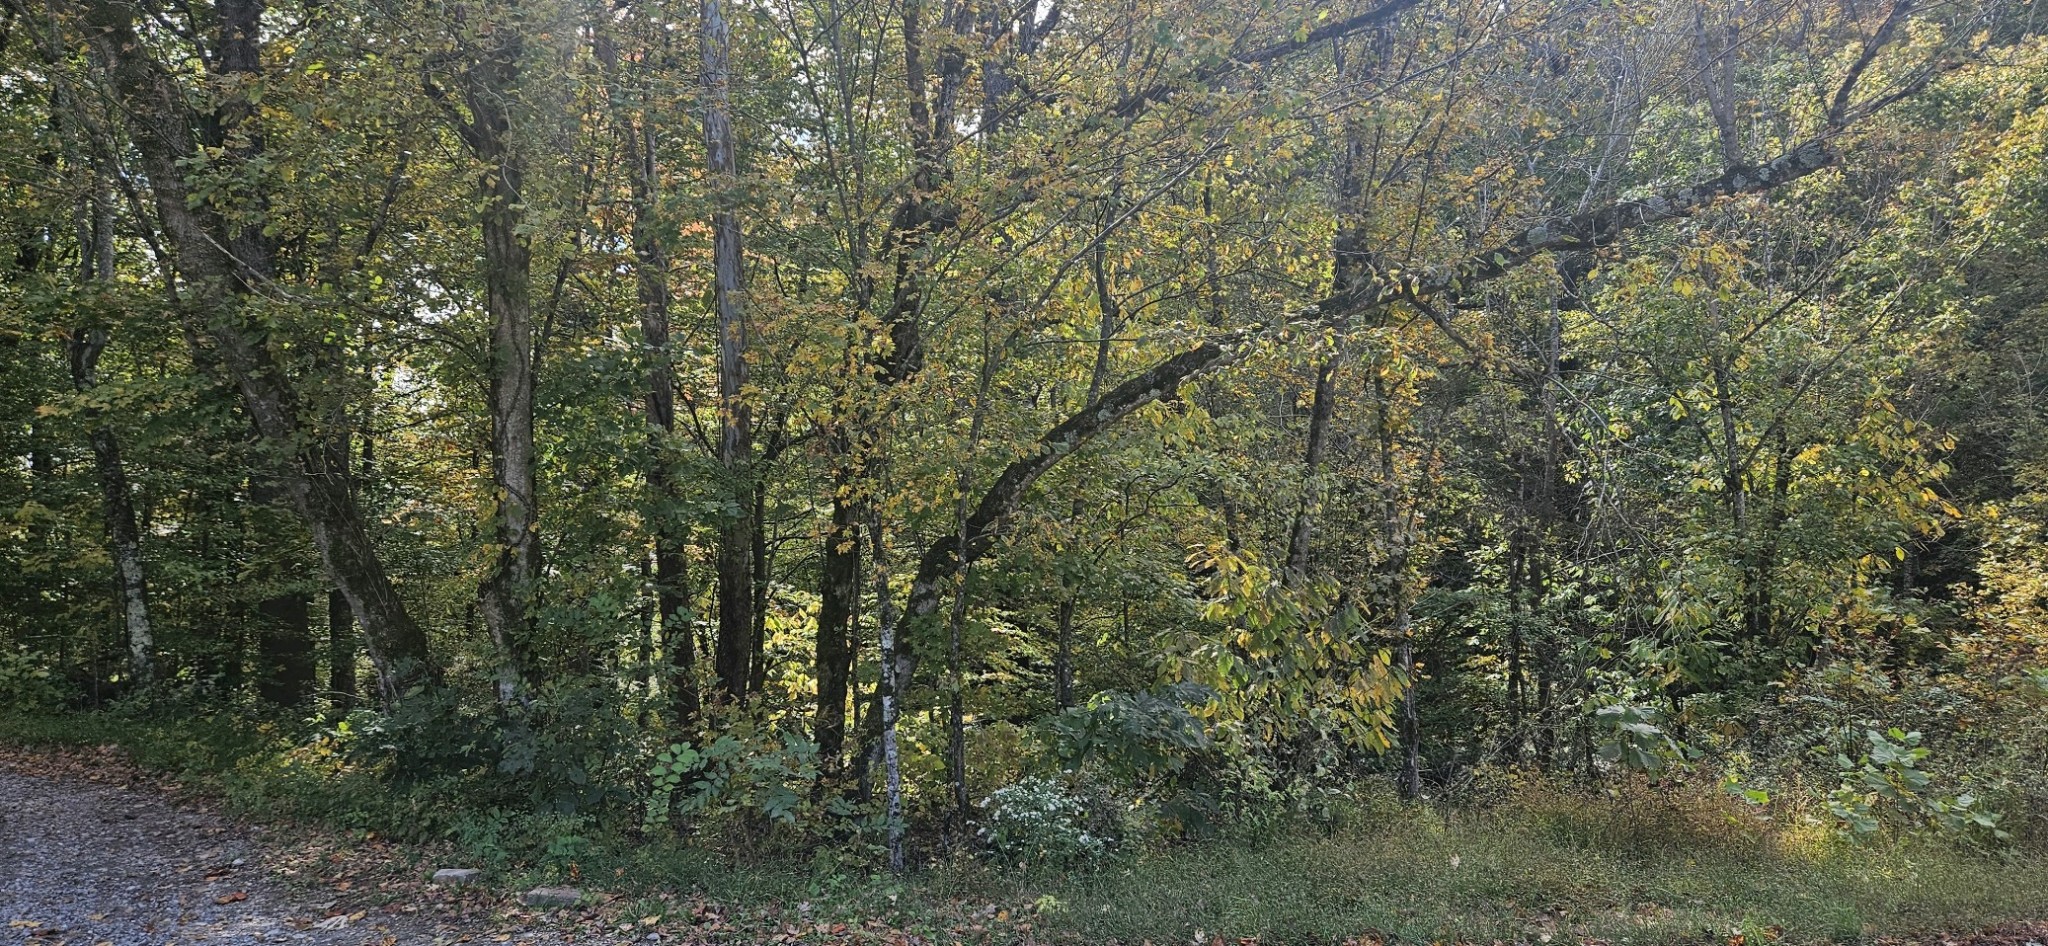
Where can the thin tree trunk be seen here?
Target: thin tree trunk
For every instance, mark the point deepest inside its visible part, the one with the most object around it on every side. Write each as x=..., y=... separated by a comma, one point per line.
x=1518, y=563
x=650, y=272
x=1411, y=722
x=757, y=673
x=341, y=654
x=124, y=538
x=1312, y=461
x=886, y=622
x=1063, y=657
x=956, y=722
x=678, y=641
x=1546, y=682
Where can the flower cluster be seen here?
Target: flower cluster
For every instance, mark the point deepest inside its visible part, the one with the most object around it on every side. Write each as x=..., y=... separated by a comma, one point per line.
x=1038, y=821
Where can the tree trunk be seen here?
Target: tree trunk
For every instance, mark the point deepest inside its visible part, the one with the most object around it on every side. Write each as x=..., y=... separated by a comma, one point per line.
x=757, y=672
x=1312, y=460
x=1399, y=528
x=886, y=624
x=651, y=282
x=341, y=654
x=839, y=594
x=284, y=648
x=124, y=538
x=1063, y=657
x=1518, y=615
x=506, y=597
x=735, y=440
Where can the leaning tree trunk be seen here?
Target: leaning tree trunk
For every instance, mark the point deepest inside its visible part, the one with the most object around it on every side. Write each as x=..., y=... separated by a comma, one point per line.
x=218, y=265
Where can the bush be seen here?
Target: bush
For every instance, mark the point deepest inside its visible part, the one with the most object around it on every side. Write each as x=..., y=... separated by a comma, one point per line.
x=1887, y=787
x=1038, y=822
x=756, y=772
x=25, y=684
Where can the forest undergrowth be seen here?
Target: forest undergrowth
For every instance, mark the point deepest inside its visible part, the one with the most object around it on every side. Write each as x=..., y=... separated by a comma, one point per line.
x=1679, y=860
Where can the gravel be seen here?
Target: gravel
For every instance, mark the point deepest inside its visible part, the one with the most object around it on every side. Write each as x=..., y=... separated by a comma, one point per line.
x=104, y=865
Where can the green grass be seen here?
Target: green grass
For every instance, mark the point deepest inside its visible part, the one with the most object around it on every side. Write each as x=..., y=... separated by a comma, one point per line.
x=1680, y=866
x=1645, y=871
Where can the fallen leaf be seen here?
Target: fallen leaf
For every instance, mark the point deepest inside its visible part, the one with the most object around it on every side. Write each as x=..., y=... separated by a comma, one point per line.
x=236, y=897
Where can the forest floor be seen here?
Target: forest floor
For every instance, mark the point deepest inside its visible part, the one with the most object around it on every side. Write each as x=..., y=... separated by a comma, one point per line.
x=95, y=851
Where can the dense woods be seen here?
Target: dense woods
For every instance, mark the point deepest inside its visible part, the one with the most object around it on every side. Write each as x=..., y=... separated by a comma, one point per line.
x=1028, y=426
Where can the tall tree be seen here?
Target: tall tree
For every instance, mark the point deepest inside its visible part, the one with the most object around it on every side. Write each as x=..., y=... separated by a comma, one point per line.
x=736, y=534
x=489, y=84
x=223, y=263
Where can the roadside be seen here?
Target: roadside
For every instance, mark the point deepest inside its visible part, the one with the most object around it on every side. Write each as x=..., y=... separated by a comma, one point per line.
x=95, y=851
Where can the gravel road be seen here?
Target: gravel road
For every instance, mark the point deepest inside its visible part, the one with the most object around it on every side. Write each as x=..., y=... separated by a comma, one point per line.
x=104, y=865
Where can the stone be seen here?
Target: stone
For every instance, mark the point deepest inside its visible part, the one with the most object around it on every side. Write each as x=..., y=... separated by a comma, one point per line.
x=552, y=897
x=456, y=876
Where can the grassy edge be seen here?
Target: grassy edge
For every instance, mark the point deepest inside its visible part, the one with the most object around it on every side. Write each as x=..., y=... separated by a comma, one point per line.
x=1545, y=866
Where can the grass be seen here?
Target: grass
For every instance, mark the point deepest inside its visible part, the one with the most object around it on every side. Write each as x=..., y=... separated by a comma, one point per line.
x=1640, y=867
x=1644, y=870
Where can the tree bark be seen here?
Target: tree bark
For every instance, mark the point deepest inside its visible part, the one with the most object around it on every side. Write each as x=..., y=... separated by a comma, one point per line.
x=757, y=667
x=341, y=654
x=1063, y=656
x=886, y=621
x=1303, y=530
x=117, y=507
x=506, y=597
x=735, y=553
x=839, y=593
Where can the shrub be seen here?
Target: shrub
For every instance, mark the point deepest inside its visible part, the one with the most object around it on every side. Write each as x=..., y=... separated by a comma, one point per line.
x=1037, y=821
x=25, y=684
x=1886, y=787
x=755, y=772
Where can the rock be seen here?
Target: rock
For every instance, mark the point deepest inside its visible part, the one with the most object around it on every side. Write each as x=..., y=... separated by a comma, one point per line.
x=552, y=897
x=456, y=876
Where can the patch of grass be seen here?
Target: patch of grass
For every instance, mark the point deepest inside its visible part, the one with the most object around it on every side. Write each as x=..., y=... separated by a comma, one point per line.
x=1676, y=869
